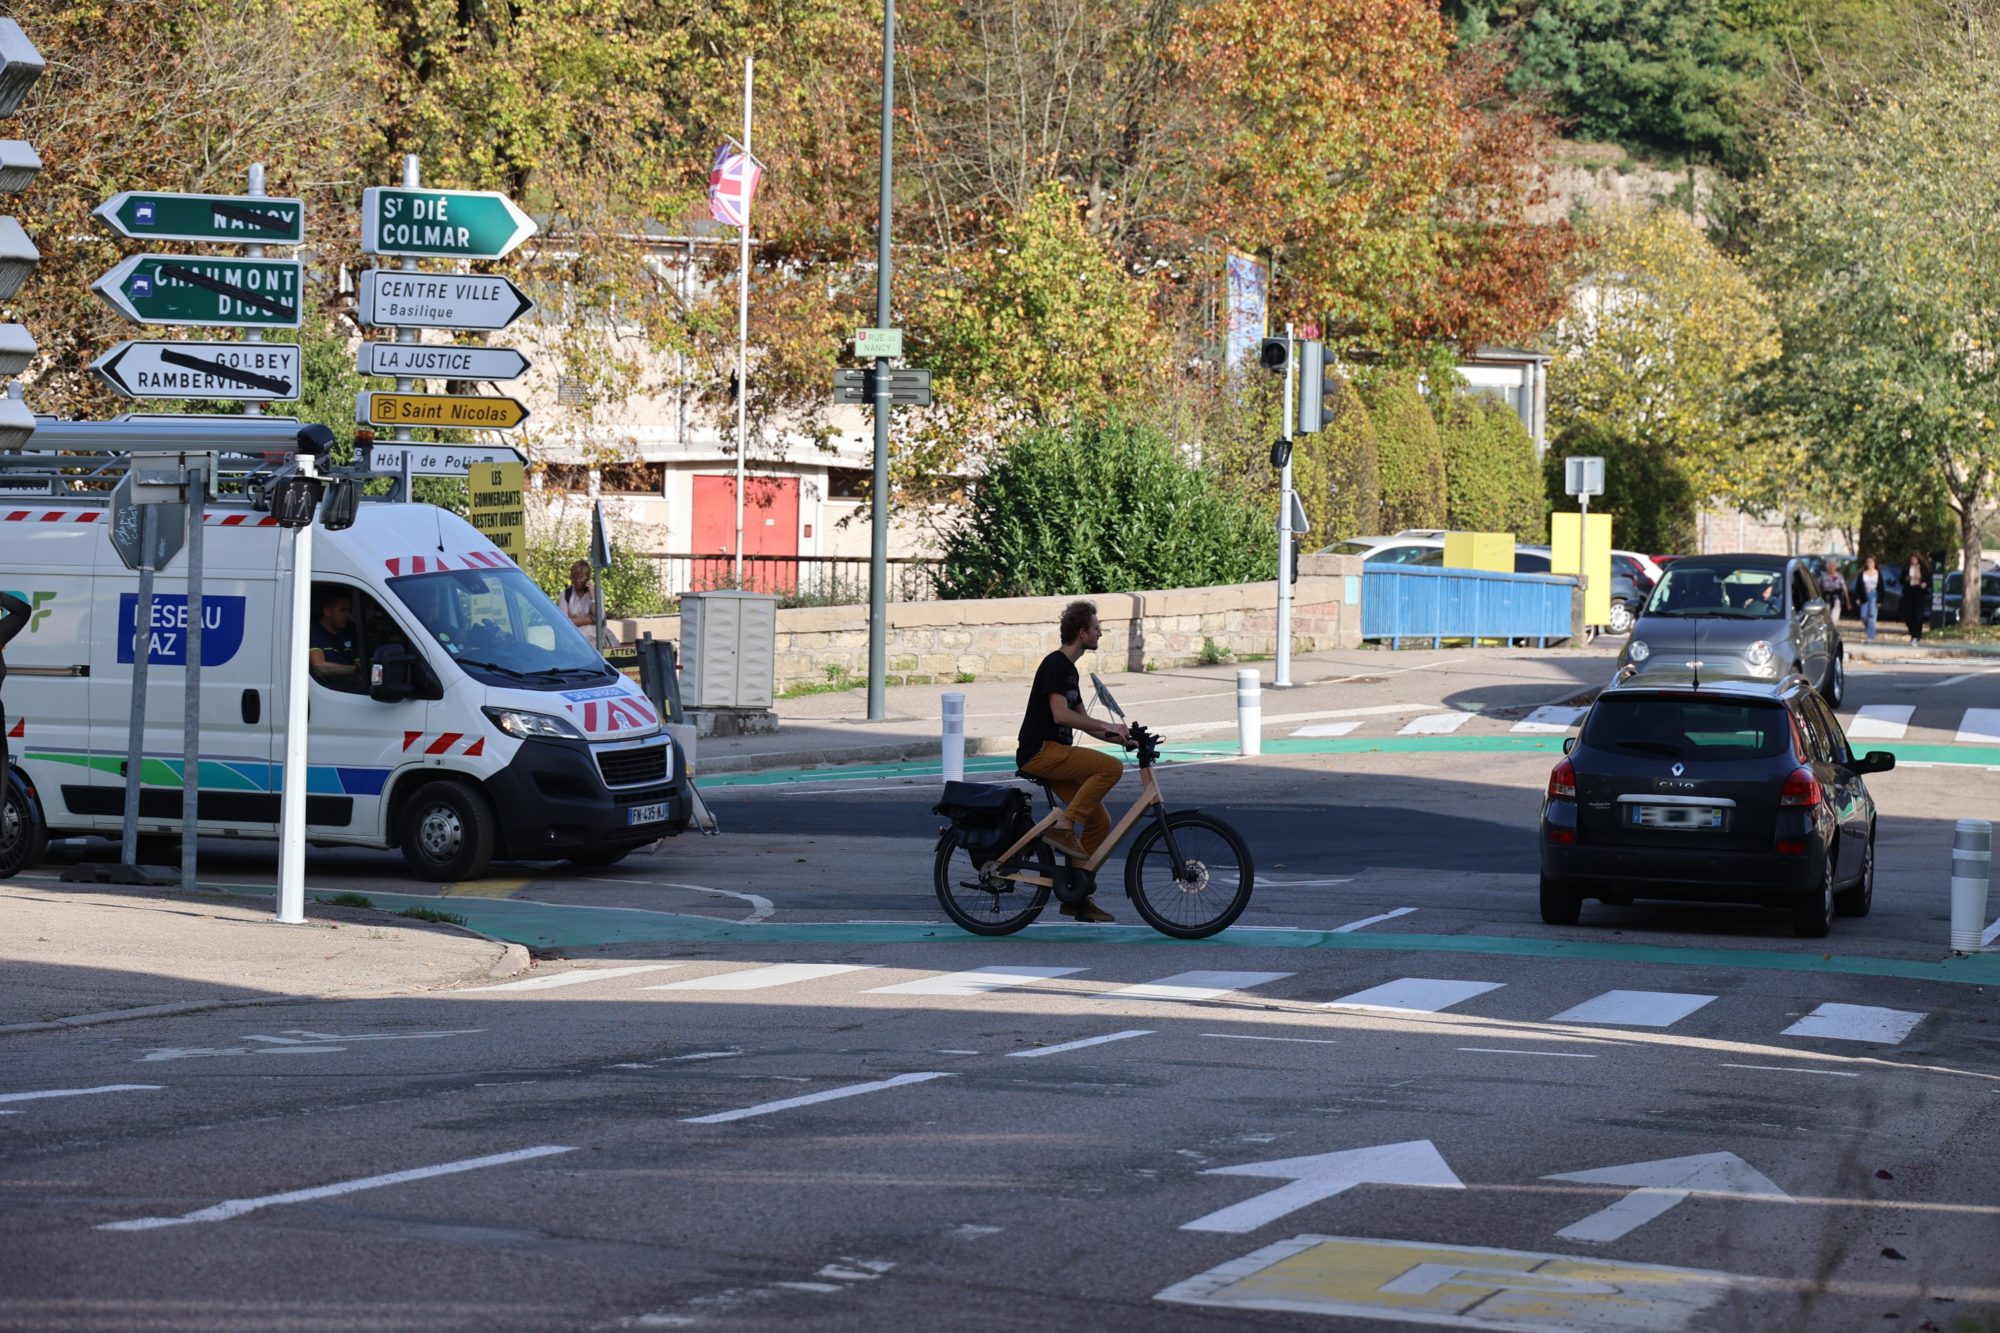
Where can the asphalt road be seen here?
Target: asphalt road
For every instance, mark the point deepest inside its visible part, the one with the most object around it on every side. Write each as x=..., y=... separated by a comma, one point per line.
x=1450, y=1115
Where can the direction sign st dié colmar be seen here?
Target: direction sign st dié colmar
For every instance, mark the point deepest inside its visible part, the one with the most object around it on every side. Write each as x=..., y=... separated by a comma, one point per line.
x=208, y=293
x=434, y=361
x=239, y=219
x=441, y=224
x=391, y=298
x=372, y=408
x=233, y=371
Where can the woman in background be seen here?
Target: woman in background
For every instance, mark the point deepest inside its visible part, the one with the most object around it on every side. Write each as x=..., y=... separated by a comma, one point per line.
x=1916, y=597
x=1868, y=595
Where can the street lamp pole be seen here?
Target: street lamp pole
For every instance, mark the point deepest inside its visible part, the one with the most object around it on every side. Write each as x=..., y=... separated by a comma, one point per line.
x=878, y=495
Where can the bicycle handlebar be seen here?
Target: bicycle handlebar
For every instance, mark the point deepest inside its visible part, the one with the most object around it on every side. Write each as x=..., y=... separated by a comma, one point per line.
x=1145, y=742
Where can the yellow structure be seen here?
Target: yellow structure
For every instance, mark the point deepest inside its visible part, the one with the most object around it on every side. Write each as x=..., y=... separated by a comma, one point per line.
x=1491, y=551
x=1577, y=550
x=493, y=492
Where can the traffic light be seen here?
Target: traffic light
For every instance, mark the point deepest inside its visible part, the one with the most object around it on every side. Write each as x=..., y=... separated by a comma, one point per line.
x=1274, y=354
x=1312, y=387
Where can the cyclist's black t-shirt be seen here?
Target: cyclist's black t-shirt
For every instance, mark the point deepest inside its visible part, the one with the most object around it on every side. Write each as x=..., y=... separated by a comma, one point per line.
x=1056, y=675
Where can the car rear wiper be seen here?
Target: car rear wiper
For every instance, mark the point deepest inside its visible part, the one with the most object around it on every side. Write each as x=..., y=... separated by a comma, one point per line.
x=1652, y=747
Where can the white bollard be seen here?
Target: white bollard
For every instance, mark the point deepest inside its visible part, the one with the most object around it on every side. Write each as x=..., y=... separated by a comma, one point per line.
x=954, y=736
x=1249, y=711
x=1971, y=860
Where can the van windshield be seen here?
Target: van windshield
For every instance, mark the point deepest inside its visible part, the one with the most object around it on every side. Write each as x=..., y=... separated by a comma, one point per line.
x=499, y=627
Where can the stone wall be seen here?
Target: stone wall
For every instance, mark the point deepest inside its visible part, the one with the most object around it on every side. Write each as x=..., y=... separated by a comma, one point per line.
x=1005, y=638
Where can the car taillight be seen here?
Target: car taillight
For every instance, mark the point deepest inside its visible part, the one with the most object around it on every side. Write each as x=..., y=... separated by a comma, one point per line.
x=1801, y=789
x=1791, y=846
x=1562, y=780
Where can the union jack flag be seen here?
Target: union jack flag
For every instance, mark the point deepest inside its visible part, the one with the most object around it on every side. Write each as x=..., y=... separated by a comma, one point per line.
x=731, y=183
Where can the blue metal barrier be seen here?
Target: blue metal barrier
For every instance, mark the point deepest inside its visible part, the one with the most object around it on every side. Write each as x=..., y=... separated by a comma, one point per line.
x=1401, y=602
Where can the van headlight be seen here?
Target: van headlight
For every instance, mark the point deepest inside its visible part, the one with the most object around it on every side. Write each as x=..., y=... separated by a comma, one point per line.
x=1637, y=650
x=526, y=726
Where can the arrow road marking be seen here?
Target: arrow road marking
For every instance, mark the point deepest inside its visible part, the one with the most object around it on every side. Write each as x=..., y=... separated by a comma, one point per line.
x=243, y=294
x=1662, y=1184
x=1416, y=1162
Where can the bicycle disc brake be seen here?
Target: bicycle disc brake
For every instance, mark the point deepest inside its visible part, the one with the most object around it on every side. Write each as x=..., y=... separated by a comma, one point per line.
x=1193, y=876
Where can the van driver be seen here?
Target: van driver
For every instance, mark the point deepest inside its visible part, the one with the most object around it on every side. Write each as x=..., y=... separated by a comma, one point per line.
x=335, y=660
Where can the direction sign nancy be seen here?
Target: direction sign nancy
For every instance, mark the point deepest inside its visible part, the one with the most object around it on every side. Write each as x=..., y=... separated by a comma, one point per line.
x=391, y=298
x=372, y=408
x=420, y=361
x=210, y=293
x=240, y=219
x=441, y=224
x=237, y=372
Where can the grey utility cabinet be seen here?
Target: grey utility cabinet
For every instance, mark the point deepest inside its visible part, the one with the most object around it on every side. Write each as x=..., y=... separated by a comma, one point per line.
x=728, y=649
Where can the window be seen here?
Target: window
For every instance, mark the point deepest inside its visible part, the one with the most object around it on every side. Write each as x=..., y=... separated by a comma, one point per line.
x=1530, y=562
x=1815, y=730
x=1829, y=726
x=347, y=627
x=1718, y=589
x=1803, y=591
x=1679, y=728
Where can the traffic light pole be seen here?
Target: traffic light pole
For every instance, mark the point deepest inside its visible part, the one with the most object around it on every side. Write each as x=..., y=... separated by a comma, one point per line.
x=1282, y=679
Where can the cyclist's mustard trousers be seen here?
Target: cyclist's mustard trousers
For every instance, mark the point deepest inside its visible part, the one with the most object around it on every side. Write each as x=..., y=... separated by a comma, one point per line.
x=1080, y=779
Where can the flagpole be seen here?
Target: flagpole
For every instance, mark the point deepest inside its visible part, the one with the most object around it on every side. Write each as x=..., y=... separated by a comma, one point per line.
x=743, y=329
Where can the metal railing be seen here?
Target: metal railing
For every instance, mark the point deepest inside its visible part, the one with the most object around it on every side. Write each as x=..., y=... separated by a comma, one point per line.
x=1401, y=602
x=799, y=580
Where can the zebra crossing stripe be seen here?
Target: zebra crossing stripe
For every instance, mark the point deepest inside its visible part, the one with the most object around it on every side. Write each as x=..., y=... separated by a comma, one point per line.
x=1880, y=722
x=1549, y=718
x=1980, y=726
x=1856, y=1022
x=1417, y=995
x=1439, y=724
x=763, y=978
x=574, y=978
x=975, y=982
x=1328, y=729
x=1635, y=1008
x=1195, y=985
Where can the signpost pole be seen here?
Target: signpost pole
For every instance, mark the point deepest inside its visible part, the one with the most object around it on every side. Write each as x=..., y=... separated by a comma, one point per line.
x=742, y=338
x=292, y=805
x=878, y=496
x=197, y=494
x=1281, y=676
x=413, y=177
x=250, y=409
x=142, y=652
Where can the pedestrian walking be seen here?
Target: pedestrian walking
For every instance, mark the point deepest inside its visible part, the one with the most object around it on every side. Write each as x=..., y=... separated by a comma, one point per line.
x=1868, y=595
x=1916, y=596
x=14, y=617
x=1833, y=589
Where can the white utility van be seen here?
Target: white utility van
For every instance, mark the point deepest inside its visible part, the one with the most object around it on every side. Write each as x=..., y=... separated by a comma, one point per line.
x=479, y=723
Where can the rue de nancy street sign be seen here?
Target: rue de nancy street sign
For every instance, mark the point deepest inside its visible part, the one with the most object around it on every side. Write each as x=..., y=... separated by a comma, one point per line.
x=233, y=371
x=231, y=218
x=441, y=224
x=208, y=293
x=391, y=298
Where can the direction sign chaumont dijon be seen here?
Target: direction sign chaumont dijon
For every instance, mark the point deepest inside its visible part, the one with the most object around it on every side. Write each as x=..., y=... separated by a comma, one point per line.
x=210, y=293
x=237, y=219
x=234, y=371
x=376, y=408
x=441, y=224
x=419, y=361
x=391, y=298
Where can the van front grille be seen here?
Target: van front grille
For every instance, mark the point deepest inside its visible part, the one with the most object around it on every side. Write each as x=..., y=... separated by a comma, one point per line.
x=632, y=768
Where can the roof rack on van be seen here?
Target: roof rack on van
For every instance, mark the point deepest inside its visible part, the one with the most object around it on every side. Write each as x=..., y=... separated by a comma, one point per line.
x=85, y=460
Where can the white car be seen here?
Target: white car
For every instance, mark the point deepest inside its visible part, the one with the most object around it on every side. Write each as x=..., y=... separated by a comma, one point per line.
x=1397, y=550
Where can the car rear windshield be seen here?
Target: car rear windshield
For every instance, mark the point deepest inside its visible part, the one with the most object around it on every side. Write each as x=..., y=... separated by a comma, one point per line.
x=1687, y=728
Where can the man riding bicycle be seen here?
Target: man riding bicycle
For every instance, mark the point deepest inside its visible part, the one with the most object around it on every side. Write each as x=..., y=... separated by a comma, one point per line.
x=1080, y=778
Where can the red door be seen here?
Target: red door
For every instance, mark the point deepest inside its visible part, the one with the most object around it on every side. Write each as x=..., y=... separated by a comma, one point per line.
x=770, y=528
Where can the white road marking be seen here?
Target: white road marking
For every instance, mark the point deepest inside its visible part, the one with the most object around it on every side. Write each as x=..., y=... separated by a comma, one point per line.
x=1435, y=724
x=1246, y=1036
x=1657, y=1186
x=1195, y=985
x=1988, y=935
x=831, y=1094
x=1126, y=1035
x=763, y=978
x=760, y=906
x=1635, y=1008
x=1549, y=718
x=1367, y=921
x=229, y=1208
x=1880, y=722
x=1421, y=995
x=576, y=977
x=79, y=1092
x=1509, y=1050
x=1793, y=1069
x=705, y=1055
x=1322, y=1176
x=1980, y=726
x=1856, y=1022
x=1951, y=680
x=1301, y=884
x=975, y=982
x=1328, y=729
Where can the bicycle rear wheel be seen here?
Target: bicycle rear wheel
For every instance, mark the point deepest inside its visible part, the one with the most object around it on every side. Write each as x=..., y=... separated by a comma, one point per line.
x=984, y=905
x=1204, y=893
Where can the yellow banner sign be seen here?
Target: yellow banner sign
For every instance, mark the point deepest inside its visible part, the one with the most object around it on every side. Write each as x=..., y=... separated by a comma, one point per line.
x=436, y=409
x=493, y=491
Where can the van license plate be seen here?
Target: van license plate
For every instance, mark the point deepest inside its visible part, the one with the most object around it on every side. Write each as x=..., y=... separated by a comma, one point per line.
x=1677, y=816
x=646, y=814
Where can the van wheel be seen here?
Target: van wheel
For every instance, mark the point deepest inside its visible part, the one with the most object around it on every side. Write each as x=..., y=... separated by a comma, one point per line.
x=603, y=856
x=24, y=838
x=448, y=832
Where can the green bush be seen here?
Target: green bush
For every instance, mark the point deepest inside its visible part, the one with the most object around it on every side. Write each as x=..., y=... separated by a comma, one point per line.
x=1652, y=500
x=1410, y=457
x=1492, y=480
x=631, y=586
x=1334, y=473
x=1101, y=507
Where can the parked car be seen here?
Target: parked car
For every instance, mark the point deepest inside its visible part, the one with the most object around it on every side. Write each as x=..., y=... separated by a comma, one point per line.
x=1644, y=571
x=1626, y=594
x=1989, y=596
x=1757, y=617
x=1389, y=550
x=1684, y=786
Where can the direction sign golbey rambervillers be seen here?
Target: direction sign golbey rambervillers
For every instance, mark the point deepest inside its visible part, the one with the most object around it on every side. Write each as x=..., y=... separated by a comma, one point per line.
x=432, y=361
x=238, y=219
x=441, y=224
x=237, y=372
x=435, y=409
x=209, y=293
x=391, y=298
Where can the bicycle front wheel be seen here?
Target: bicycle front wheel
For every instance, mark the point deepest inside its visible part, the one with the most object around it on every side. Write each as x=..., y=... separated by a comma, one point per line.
x=1202, y=894
x=982, y=905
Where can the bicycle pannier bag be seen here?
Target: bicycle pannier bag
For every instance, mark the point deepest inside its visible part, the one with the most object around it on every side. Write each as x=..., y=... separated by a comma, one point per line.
x=985, y=816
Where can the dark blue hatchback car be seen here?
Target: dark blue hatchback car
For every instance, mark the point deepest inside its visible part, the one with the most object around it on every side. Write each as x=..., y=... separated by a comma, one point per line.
x=1681, y=786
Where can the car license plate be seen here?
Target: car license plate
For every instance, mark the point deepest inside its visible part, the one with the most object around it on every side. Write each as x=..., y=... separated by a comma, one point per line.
x=1708, y=817
x=646, y=814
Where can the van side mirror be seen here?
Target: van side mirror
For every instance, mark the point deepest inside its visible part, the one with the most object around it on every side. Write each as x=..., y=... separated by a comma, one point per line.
x=392, y=675
x=1875, y=761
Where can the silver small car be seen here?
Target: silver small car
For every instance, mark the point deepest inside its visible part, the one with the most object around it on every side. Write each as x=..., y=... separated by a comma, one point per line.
x=1750, y=616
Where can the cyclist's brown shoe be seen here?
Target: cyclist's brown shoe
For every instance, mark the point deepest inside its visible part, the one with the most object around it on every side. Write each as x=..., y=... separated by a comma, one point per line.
x=1087, y=910
x=1064, y=841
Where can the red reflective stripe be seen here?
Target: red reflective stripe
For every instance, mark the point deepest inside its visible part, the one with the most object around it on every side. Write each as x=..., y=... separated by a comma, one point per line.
x=476, y=749
x=52, y=516
x=234, y=520
x=17, y=515
x=590, y=717
x=90, y=517
x=445, y=742
x=410, y=738
x=395, y=567
x=17, y=730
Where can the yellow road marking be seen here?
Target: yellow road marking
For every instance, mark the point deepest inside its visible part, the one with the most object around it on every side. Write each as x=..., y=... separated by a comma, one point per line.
x=486, y=888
